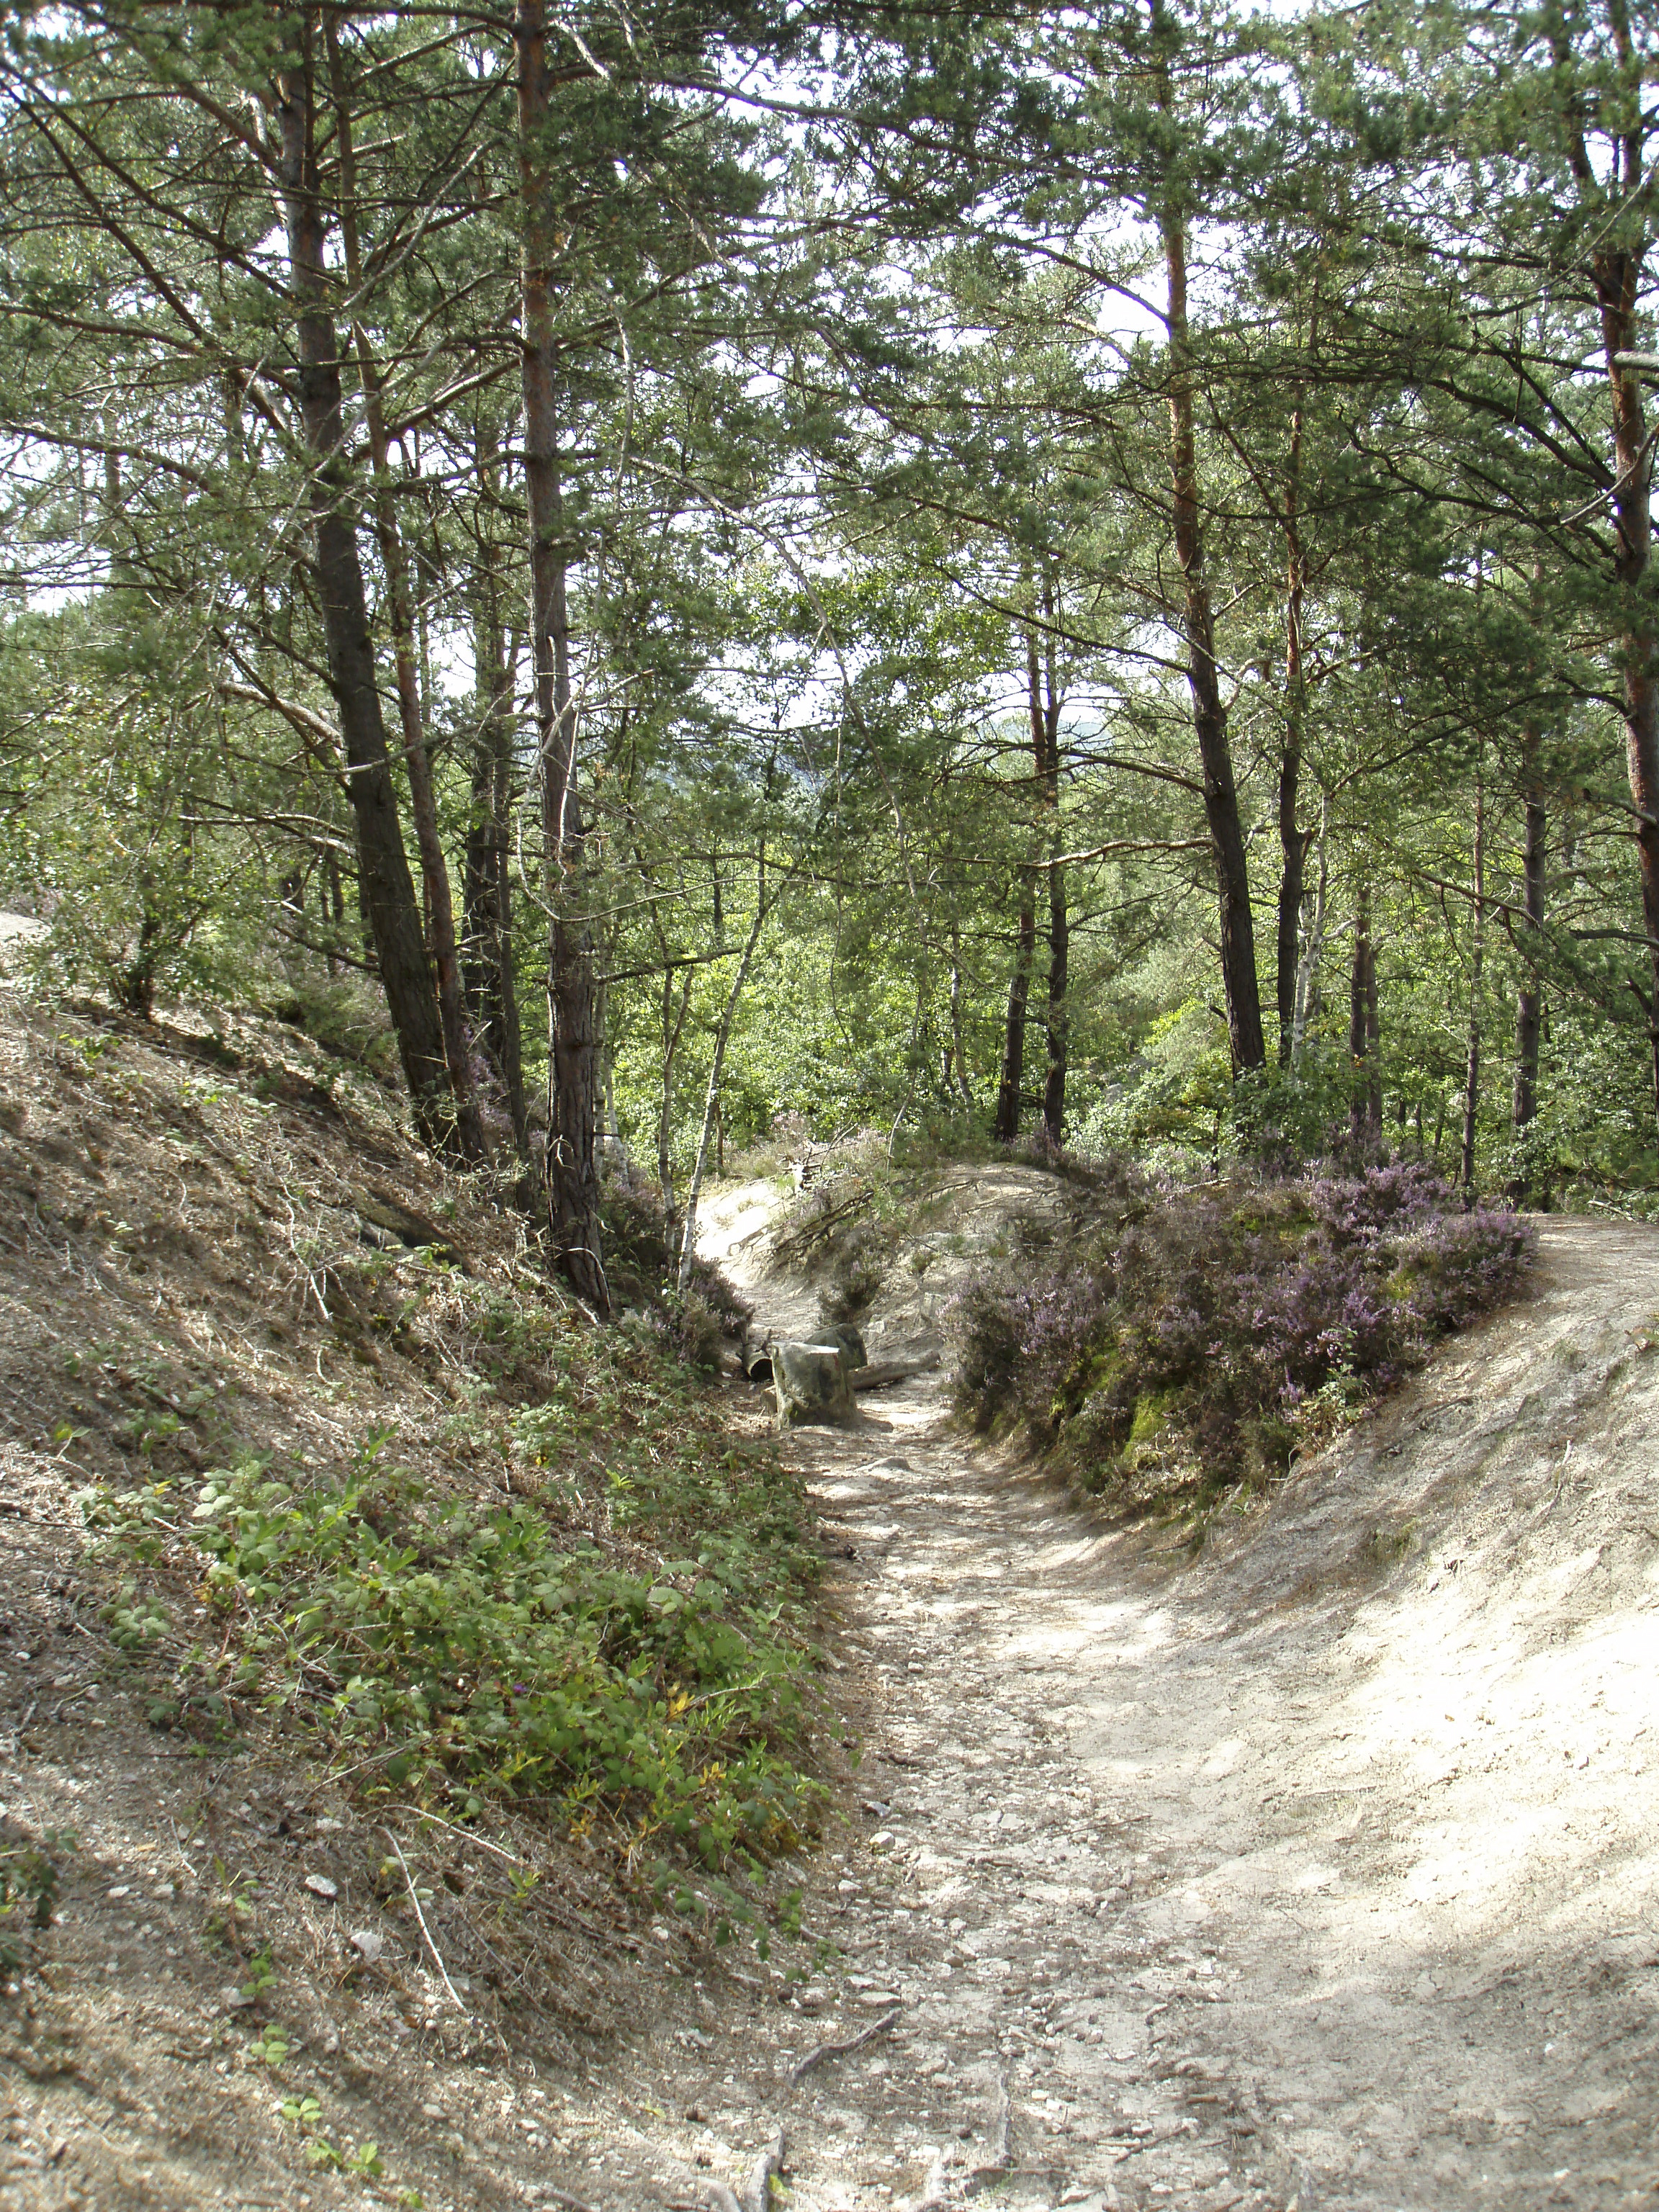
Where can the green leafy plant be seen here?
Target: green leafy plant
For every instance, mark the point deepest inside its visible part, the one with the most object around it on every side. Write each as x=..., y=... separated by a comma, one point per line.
x=261, y=1973
x=29, y=1882
x=450, y=1648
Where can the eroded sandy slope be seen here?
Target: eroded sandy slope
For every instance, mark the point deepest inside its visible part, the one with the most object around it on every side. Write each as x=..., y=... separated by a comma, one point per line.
x=1324, y=1871
x=1321, y=1873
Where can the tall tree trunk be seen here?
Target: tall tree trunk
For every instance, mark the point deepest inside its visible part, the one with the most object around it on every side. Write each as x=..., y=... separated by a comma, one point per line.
x=1237, y=932
x=1618, y=282
x=572, y=1166
x=387, y=888
x=1005, y=1125
x=1046, y=703
x=1528, y=998
x=1292, y=841
x=1477, y=963
x=423, y=806
x=1618, y=250
x=487, y=969
x=1365, y=1112
x=1059, y=944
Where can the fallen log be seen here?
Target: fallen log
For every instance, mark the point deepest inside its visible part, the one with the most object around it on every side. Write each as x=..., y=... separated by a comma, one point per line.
x=757, y=1362
x=880, y=1372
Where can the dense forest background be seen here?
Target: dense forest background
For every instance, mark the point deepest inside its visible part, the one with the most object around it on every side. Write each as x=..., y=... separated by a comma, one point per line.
x=721, y=573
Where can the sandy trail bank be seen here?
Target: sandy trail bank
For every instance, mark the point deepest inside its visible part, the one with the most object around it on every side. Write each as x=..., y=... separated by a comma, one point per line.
x=1320, y=1873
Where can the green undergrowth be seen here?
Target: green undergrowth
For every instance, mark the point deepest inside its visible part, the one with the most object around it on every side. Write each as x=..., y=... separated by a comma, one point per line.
x=624, y=1643
x=29, y=1875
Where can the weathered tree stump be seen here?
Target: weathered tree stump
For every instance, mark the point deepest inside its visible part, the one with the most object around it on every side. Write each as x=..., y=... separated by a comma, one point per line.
x=811, y=1382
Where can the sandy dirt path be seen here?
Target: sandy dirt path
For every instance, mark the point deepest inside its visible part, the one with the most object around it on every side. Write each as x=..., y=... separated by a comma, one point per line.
x=1321, y=1873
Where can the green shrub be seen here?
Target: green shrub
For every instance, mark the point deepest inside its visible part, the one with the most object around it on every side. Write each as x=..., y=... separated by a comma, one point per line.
x=454, y=1649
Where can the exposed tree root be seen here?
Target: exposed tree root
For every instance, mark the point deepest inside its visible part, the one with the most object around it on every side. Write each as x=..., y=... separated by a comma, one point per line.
x=840, y=2050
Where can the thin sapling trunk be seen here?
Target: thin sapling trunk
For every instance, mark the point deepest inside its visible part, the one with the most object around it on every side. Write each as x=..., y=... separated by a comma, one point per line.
x=712, y=1097
x=1313, y=947
x=1366, y=1109
x=1004, y=1126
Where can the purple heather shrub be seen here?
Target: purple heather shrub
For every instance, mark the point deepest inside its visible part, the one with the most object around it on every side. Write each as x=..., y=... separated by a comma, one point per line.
x=1217, y=1321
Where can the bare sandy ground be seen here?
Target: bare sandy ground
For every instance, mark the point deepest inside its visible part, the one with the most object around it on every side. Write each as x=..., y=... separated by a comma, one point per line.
x=1322, y=1873
x=1318, y=1872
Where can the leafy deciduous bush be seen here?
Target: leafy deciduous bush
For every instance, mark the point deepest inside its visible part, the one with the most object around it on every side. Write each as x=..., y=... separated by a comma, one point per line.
x=1185, y=1338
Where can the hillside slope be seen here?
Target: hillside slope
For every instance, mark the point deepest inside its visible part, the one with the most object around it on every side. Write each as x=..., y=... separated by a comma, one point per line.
x=1319, y=1871
x=240, y=1962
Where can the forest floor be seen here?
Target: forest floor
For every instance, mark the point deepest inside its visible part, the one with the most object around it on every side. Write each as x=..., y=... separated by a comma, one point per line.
x=1318, y=1872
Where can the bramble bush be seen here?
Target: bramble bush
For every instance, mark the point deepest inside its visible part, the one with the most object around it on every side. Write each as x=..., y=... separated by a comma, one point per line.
x=1181, y=1340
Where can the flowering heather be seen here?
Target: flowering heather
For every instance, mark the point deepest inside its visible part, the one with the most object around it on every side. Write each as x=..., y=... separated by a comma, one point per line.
x=1181, y=1340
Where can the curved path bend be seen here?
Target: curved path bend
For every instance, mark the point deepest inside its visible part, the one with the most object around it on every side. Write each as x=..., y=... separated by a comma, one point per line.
x=1320, y=1873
